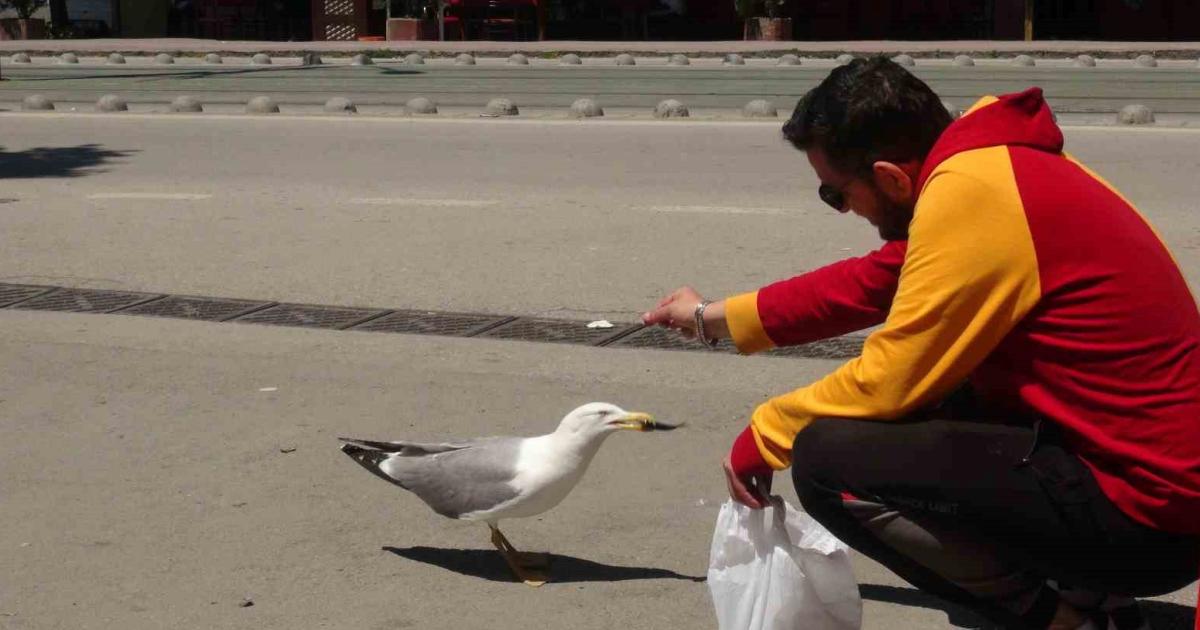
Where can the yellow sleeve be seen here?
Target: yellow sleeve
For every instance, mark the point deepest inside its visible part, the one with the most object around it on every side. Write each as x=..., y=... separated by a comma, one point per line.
x=745, y=326
x=969, y=276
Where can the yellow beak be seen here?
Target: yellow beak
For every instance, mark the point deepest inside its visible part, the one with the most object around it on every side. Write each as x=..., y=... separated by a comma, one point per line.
x=638, y=421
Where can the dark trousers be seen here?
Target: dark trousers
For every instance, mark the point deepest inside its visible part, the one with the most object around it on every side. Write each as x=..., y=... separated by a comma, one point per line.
x=981, y=514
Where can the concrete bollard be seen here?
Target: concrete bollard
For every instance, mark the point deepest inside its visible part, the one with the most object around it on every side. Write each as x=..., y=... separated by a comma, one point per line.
x=361, y=60
x=1023, y=60
x=111, y=103
x=68, y=58
x=262, y=105
x=1145, y=61
x=733, y=59
x=163, y=59
x=905, y=60
x=679, y=60
x=670, y=108
x=310, y=59
x=788, y=60
x=414, y=59
x=213, y=58
x=844, y=59
x=1084, y=61
x=1135, y=115
x=186, y=104
x=421, y=105
x=955, y=112
x=963, y=61
x=625, y=59
x=116, y=59
x=760, y=108
x=500, y=107
x=570, y=59
x=37, y=103
x=340, y=105
x=261, y=59
x=464, y=59
x=21, y=58
x=586, y=108
x=517, y=59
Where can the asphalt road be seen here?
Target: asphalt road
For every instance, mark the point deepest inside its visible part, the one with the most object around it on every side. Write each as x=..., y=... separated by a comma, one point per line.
x=144, y=481
x=512, y=217
x=1172, y=88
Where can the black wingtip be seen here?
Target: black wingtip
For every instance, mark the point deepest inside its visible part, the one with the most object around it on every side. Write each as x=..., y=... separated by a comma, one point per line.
x=369, y=459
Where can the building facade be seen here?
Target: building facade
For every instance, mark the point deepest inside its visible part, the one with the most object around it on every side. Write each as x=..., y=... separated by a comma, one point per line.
x=298, y=20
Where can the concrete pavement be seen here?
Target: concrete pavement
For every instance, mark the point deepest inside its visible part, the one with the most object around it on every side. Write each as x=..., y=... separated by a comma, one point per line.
x=149, y=481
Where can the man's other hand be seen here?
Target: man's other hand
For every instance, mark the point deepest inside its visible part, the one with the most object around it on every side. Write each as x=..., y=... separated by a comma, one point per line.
x=752, y=491
x=746, y=472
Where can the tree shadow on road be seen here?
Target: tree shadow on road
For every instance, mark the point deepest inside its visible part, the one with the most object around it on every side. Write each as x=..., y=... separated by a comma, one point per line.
x=487, y=564
x=41, y=162
x=1160, y=615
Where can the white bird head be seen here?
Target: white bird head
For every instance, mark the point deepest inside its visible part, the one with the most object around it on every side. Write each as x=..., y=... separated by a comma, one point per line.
x=596, y=419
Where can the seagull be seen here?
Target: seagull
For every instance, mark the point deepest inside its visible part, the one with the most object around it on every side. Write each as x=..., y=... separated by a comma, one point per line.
x=494, y=478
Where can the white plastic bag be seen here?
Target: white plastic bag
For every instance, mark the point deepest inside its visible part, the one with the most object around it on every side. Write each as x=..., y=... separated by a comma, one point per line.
x=779, y=569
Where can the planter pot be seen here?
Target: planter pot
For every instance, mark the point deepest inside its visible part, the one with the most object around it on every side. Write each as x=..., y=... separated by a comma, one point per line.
x=17, y=28
x=409, y=29
x=768, y=29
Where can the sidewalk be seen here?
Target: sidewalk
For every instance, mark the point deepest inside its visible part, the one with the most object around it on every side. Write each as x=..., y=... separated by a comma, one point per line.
x=1185, y=50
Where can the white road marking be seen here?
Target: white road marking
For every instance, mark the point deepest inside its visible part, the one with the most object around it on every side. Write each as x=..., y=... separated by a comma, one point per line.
x=410, y=201
x=721, y=210
x=155, y=196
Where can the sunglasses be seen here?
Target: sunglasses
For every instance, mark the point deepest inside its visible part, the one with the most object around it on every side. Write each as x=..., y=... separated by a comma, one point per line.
x=832, y=196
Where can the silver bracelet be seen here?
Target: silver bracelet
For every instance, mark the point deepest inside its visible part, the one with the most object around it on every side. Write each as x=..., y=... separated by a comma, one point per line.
x=701, y=334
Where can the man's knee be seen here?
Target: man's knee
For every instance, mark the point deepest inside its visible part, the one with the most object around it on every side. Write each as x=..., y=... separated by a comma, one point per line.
x=820, y=451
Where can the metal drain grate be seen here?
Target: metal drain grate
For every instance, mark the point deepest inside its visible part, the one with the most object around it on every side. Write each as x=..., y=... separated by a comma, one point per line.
x=846, y=347
x=309, y=316
x=660, y=338
x=49, y=298
x=204, y=308
x=86, y=300
x=556, y=331
x=434, y=323
x=13, y=293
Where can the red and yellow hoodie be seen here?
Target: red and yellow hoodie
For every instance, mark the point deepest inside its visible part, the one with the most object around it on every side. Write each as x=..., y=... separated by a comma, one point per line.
x=1031, y=277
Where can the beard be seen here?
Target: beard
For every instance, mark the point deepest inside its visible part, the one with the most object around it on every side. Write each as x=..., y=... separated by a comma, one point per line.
x=894, y=219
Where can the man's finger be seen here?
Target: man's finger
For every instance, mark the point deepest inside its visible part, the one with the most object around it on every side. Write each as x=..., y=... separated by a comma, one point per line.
x=660, y=315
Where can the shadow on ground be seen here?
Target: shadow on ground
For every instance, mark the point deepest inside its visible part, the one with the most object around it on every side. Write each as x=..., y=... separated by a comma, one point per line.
x=56, y=161
x=487, y=564
x=1160, y=615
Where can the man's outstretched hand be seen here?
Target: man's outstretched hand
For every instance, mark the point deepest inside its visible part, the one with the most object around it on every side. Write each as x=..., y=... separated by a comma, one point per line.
x=676, y=311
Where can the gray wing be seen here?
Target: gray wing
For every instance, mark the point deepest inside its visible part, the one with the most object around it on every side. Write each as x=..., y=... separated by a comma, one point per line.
x=474, y=476
x=408, y=448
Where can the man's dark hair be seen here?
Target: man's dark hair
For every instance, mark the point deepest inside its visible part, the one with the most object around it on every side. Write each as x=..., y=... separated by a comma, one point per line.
x=866, y=111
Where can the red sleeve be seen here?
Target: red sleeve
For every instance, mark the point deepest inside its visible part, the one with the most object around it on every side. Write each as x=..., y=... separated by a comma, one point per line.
x=745, y=458
x=846, y=296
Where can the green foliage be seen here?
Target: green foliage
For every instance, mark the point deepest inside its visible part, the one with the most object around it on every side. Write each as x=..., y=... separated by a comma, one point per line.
x=24, y=8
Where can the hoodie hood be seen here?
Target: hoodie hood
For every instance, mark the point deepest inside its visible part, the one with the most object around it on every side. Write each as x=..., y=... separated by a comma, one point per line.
x=1020, y=119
